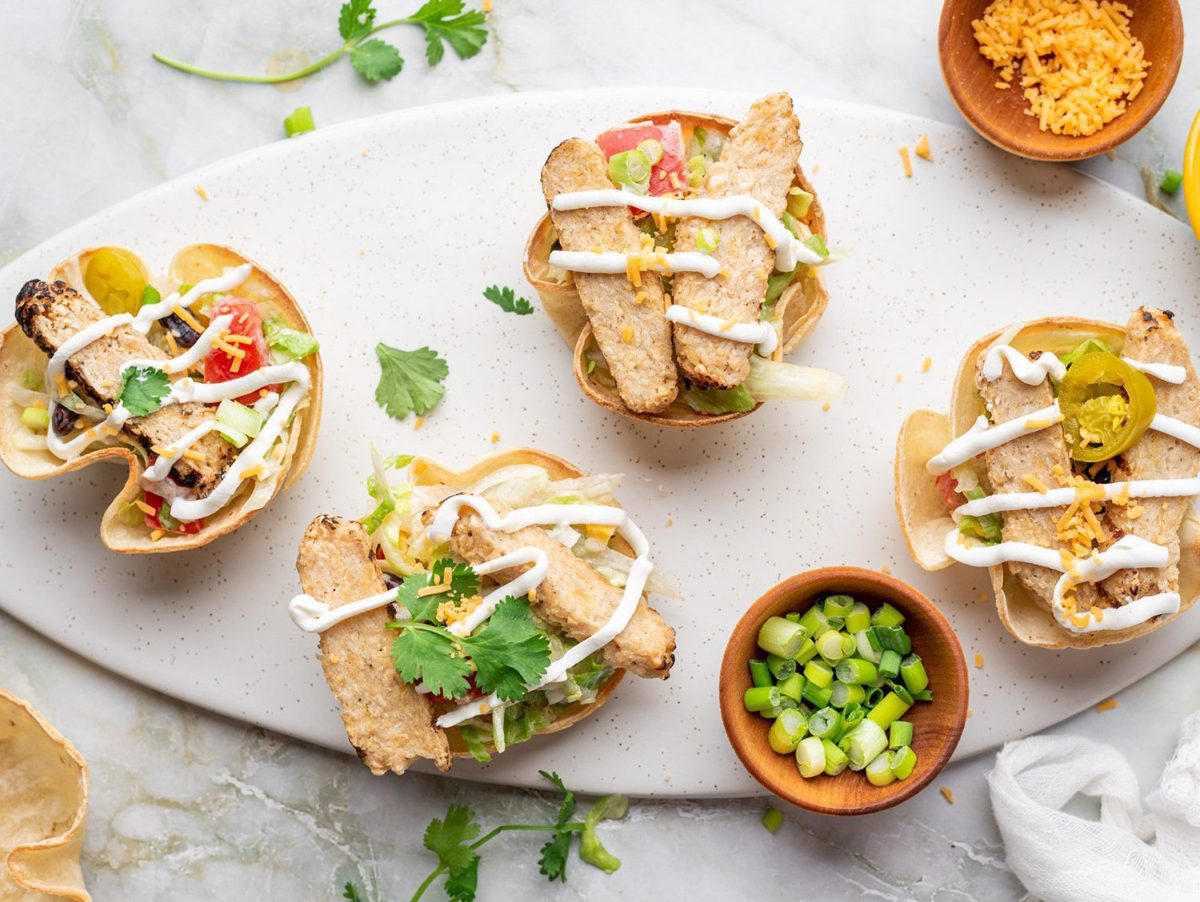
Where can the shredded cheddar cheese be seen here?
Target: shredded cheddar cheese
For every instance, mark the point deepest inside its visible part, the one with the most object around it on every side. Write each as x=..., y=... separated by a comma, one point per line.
x=1034, y=483
x=922, y=149
x=1106, y=705
x=187, y=317
x=947, y=794
x=907, y=160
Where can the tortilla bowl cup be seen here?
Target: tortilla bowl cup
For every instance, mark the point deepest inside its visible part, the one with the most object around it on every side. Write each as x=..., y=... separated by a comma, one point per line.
x=925, y=522
x=19, y=354
x=800, y=306
x=43, y=808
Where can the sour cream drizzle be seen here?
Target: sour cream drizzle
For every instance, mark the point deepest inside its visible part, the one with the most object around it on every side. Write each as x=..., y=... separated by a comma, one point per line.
x=155, y=478
x=762, y=334
x=789, y=250
x=1130, y=552
x=610, y=262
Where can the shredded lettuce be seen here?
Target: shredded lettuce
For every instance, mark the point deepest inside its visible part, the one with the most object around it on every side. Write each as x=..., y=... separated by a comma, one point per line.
x=470, y=738
x=719, y=400
x=771, y=380
x=1086, y=346
x=988, y=529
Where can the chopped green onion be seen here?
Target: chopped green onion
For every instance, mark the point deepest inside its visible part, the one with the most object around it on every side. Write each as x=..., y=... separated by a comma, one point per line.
x=771, y=713
x=835, y=759
x=780, y=668
x=697, y=169
x=793, y=687
x=902, y=761
x=890, y=708
x=816, y=244
x=760, y=674
x=299, y=121
x=900, y=734
x=787, y=731
x=912, y=671
x=630, y=169
x=815, y=622
x=836, y=623
x=772, y=818
x=838, y=606
x=924, y=695
x=760, y=698
x=1171, y=181
x=857, y=671
x=807, y=651
x=905, y=695
x=652, y=149
x=708, y=240
x=798, y=202
x=858, y=617
x=793, y=616
x=849, y=646
x=846, y=693
x=873, y=696
x=879, y=771
x=36, y=418
x=863, y=744
x=810, y=757
x=852, y=714
x=892, y=637
x=818, y=673
x=866, y=651
x=826, y=723
x=780, y=637
x=886, y=615
x=829, y=646
x=815, y=695
x=889, y=664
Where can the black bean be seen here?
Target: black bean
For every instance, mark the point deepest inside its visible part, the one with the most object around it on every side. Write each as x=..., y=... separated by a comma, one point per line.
x=184, y=334
x=63, y=420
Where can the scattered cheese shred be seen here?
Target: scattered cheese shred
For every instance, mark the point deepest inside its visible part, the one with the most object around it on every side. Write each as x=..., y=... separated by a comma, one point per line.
x=201, y=192
x=979, y=660
x=418, y=422
x=486, y=6
x=922, y=149
x=433, y=590
x=495, y=437
x=1078, y=63
x=907, y=161
x=156, y=534
x=1106, y=705
x=1034, y=483
x=926, y=364
x=948, y=794
x=145, y=508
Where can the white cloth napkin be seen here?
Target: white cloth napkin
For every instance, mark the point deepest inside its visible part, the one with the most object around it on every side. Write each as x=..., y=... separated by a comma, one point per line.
x=1126, y=855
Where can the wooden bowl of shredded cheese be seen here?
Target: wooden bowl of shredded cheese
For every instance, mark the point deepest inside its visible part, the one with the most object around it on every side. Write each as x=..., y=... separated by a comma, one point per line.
x=1060, y=79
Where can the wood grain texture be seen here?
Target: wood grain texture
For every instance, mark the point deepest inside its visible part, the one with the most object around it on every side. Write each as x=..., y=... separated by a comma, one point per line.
x=999, y=115
x=937, y=725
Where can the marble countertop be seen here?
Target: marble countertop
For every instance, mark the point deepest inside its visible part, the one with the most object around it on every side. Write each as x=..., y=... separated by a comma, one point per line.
x=189, y=805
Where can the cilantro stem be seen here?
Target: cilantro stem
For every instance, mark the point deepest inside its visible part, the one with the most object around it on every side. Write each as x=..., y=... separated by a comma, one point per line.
x=575, y=827
x=287, y=76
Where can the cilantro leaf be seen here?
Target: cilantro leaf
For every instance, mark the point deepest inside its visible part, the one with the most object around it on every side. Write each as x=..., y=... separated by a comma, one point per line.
x=464, y=583
x=376, y=59
x=509, y=651
x=351, y=892
x=444, y=20
x=427, y=654
x=355, y=19
x=450, y=838
x=143, y=389
x=293, y=343
x=553, y=861
x=409, y=381
x=460, y=886
x=505, y=298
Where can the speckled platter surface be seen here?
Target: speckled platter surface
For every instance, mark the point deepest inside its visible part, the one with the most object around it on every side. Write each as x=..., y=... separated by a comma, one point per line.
x=389, y=229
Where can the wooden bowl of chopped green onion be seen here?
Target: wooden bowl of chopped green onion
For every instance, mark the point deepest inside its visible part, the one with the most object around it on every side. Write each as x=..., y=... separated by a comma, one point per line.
x=843, y=690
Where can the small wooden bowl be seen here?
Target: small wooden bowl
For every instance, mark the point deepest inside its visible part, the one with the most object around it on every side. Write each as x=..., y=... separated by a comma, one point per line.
x=937, y=725
x=999, y=115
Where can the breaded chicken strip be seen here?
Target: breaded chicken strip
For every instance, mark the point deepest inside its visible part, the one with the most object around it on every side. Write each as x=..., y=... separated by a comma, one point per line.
x=759, y=159
x=574, y=597
x=635, y=337
x=50, y=314
x=389, y=723
x=1036, y=455
x=1151, y=337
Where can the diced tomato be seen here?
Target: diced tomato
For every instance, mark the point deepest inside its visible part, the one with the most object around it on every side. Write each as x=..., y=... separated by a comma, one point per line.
x=947, y=486
x=152, y=521
x=473, y=693
x=221, y=366
x=674, y=158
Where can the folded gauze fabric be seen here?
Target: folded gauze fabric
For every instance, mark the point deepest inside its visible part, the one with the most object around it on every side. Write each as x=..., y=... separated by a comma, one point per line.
x=1128, y=853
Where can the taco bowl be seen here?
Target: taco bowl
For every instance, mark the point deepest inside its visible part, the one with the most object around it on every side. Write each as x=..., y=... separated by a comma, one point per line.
x=451, y=536
x=101, y=330
x=685, y=362
x=1099, y=417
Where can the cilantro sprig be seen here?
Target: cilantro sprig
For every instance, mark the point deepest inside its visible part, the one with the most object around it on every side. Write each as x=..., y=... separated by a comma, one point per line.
x=409, y=381
x=143, y=389
x=443, y=21
x=506, y=299
x=456, y=841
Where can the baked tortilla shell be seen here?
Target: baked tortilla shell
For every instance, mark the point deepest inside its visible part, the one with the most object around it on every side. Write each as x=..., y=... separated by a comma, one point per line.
x=397, y=702
x=800, y=306
x=43, y=808
x=924, y=521
x=19, y=354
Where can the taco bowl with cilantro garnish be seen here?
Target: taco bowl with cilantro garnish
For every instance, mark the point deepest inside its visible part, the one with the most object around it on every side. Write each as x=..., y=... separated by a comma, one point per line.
x=1069, y=466
x=680, y=259
x=204, y=382
x=471, y=610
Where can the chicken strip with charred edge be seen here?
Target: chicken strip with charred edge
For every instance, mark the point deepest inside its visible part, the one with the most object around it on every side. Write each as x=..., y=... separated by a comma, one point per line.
x=629, y=323
x=389, y=723
x=1035, y=454
x=1151, y=337
x=759, y=159
x=50, y=314
x=573, y=597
